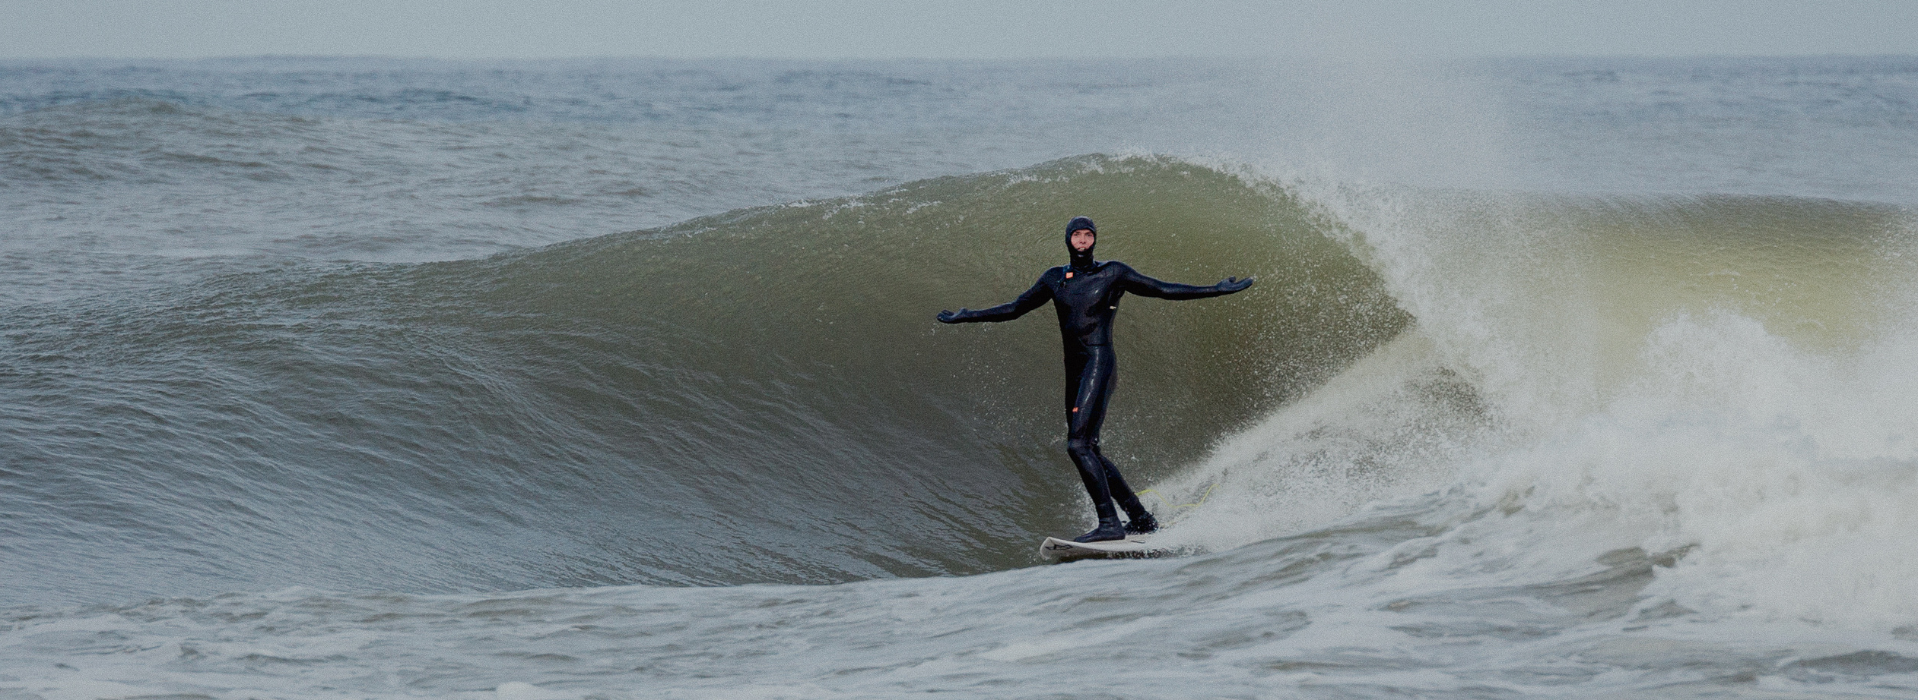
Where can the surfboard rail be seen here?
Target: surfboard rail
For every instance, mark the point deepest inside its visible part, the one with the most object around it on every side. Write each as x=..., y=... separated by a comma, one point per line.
x=1133, y=547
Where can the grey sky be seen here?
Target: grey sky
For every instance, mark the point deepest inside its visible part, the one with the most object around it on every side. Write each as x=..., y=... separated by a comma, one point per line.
x=987, y=29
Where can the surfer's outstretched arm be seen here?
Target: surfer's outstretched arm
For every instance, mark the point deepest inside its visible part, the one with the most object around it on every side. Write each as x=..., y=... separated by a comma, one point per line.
x=1037, y=296
x=1136, y=283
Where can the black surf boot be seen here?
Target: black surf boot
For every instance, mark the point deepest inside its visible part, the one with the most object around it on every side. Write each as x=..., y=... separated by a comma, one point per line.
x=1142, y=524
x=1107, y=531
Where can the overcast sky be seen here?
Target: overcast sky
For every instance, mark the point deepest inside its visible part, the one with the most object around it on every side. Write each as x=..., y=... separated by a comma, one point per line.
x=938, y=29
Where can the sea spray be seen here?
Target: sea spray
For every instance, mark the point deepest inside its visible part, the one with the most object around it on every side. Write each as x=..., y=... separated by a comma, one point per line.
x=1704, y=377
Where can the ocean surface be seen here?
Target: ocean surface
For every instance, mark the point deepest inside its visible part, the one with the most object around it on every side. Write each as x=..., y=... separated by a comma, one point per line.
x=383, y=378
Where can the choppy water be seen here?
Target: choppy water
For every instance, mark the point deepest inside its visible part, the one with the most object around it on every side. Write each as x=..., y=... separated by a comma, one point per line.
x=368, y=378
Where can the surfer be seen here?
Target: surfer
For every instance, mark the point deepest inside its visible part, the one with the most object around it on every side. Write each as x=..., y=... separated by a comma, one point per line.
x=1085, y=293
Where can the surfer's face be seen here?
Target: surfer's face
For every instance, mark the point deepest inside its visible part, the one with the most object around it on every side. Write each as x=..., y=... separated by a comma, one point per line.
x=1082, y=240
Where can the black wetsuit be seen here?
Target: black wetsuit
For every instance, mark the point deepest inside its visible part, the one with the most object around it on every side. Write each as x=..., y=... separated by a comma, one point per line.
x=1086, y=293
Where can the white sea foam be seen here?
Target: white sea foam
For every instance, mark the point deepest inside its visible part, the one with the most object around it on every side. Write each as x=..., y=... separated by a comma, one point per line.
x=1394, y=424
x=1612, y=405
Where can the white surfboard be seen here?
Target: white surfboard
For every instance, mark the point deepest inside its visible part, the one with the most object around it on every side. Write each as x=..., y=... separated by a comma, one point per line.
x=1132, y=547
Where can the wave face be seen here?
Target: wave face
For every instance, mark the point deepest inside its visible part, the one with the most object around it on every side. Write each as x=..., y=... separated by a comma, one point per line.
x=755, y=397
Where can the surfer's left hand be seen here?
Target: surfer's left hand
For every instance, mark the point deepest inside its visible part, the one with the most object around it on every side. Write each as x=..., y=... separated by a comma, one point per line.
x=1233, y=284
x=950, y=317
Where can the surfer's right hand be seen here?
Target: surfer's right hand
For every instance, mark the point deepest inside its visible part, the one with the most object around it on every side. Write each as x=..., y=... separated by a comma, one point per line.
x=1234, y=284
x=950, y=317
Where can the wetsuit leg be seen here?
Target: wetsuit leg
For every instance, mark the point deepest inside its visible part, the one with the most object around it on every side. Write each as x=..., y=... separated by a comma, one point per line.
x=1122, y=494
x=1091, y=393
x=1085, y=412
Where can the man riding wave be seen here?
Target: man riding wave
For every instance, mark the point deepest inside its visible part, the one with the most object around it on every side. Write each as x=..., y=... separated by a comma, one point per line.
x=1085, y=293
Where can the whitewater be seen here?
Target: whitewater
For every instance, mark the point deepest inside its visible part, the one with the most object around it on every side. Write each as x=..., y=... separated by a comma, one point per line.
x=382, y=378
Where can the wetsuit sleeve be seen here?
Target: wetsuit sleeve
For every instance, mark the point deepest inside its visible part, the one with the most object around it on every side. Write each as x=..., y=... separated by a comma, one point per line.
x=1037, y=296
x=1136, y=283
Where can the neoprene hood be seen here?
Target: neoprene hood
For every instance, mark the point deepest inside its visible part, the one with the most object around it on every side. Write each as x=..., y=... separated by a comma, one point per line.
x=1081, y=260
